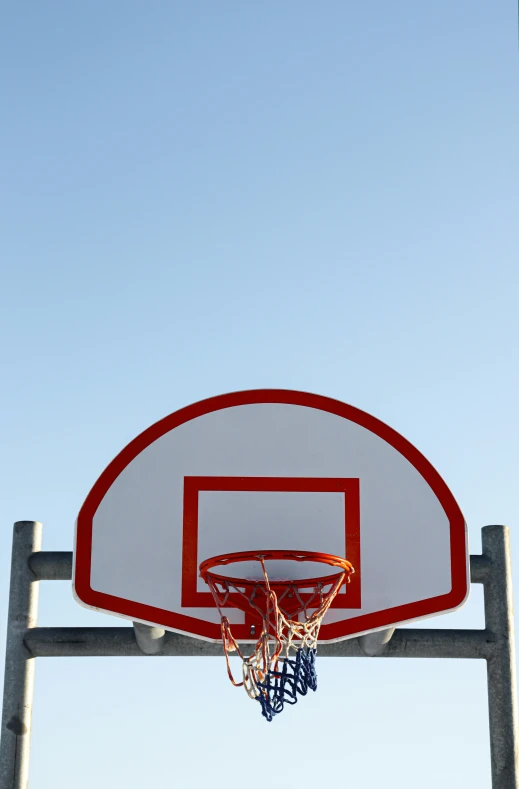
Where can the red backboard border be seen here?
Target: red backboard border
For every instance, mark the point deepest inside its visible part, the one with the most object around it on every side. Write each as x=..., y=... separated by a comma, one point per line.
x=329, y=632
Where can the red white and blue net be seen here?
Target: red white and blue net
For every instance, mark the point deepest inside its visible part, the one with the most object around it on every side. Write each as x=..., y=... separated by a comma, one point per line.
x=288, y=613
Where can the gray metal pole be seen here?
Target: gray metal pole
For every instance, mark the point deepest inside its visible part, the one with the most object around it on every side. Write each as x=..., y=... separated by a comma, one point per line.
x=19, y=663
x=501, y=668
x=121, y=642
x=57, y=566
x=25, y=642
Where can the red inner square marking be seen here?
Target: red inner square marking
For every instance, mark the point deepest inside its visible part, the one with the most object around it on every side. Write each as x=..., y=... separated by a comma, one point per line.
x=192, y=598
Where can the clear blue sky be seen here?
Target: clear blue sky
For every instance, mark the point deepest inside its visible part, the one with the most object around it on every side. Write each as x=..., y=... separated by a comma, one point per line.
x=208, y=196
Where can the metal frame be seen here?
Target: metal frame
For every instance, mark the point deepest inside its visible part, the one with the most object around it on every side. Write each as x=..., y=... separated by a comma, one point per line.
x=26, y=641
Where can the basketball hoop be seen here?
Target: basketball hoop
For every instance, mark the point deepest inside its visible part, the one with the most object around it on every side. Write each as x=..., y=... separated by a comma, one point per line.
x=281, y=666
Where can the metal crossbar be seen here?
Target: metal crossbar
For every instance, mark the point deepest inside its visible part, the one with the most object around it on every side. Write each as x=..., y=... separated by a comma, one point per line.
x=26, y=642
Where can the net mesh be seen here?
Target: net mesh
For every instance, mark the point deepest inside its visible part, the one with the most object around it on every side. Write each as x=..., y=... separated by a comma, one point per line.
x=281, y=666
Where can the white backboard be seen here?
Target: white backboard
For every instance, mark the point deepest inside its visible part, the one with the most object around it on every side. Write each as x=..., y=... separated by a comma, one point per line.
x=263, y=470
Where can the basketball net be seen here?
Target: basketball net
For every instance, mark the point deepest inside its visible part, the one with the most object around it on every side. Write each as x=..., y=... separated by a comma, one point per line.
x=281, y=666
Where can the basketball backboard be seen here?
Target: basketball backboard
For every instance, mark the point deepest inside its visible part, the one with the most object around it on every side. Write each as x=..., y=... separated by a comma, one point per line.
x=267, y=470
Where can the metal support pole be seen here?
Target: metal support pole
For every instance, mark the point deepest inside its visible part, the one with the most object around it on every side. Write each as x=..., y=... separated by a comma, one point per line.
x=25, y=642
x=19, y=663
x=121, y=642
x=501, y=668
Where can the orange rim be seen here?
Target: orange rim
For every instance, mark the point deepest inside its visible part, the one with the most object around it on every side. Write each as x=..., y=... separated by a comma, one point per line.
x=346, y=568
